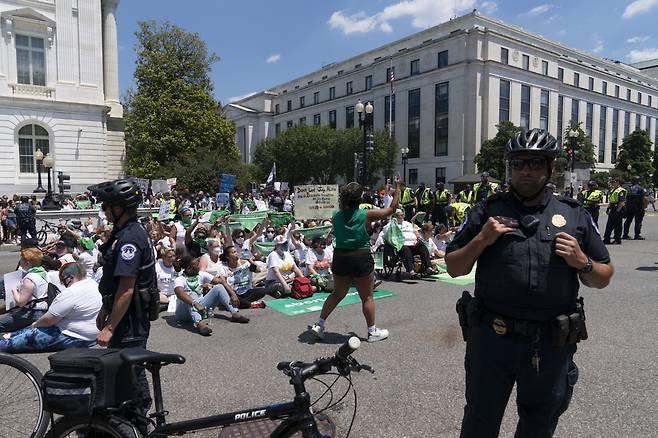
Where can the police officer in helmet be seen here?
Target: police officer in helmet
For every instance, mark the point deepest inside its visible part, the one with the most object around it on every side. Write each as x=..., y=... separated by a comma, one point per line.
x=523, y=330
x=26, y=218
x=636, y=202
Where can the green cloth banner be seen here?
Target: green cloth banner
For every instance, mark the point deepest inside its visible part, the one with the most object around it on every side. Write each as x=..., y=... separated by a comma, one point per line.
x=83, y=205
x=217, y=214
x=265, y=248
x=460, y=281
x=292, y=307
x=249, y=221
x=280, y=219
x=312, y=233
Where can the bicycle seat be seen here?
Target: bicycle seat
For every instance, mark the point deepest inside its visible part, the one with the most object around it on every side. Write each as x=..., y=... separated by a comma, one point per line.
x=139, y=355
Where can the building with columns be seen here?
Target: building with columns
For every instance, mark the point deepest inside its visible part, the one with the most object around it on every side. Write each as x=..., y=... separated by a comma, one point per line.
x=59, y=91
x=453, y=83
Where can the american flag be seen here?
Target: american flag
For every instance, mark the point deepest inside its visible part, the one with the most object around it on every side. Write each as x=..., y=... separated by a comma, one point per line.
x=391, y=78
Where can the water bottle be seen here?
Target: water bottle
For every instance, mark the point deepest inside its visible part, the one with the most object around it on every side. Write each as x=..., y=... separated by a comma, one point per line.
x=210, y=311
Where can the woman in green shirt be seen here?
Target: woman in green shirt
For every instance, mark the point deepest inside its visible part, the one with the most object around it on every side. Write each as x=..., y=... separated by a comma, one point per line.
x=352, y=262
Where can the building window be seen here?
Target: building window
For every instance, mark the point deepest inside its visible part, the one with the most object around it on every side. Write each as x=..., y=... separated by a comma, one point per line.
x=277, y=129
x=415, y=67
x=332, y=119
x=31, y=138
x=560, y=74
x=302, y=101
x=560, y=118
x=617, y=91
x=440, y=175
x=443, y=59
x=30, y=60
x=628, y=94
x=639, y=98
x=332, y=93
x=413, y=176
x=348, y=88
x=525, y=106
x=390, y=74
x=591, y=84
x=650, y=100
x=441, y=120
x=627, y=124
x=604, y=88
x=615, y=135
x=316, y=119
x=276, y=108
x=504, y=55
x=638, y=119
x=589, y=115
x=413, y=117
x=544, y=68
x=655, y=128
x=602, y=122
x=302, y=120
x=289, y=124
x=526, y=62
x=316, y=98
x=289, y=105
x=575, y=104
x=368, y=82
x=576, y=80
x=389, y=114
x=349, y=117
x=503, y=104
x=543, y=110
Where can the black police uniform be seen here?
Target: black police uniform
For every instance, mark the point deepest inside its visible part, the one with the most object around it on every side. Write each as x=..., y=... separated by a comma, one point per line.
x=538, y=286
x=26, y=220
x=634, y=209
x=128, y=253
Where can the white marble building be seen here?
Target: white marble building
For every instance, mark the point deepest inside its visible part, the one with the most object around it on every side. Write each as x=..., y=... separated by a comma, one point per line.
x=453, y=83
x=59, y=91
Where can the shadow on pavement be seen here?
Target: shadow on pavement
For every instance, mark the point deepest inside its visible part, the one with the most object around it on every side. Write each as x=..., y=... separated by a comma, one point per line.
x=647, y=268
x=307, y=337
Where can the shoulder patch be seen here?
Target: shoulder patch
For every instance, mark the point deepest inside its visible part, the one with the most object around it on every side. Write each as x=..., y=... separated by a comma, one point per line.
x=128, y=251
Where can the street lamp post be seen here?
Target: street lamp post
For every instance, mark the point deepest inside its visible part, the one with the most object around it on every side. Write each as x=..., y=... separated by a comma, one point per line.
x=573, y=137
x=38, y=156
x=405, y=154
x=48, y=202
x=365, y=123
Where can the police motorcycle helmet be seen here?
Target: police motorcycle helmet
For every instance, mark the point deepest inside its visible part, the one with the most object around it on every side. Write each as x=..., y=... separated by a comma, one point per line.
x=534, y=140
x=124, y=193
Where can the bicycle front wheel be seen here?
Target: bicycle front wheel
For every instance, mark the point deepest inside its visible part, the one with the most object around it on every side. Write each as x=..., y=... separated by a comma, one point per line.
x=42, y=237
x=94, y=427
x=21, y=405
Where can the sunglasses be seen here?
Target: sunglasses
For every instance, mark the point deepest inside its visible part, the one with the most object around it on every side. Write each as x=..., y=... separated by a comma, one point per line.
x=536, y=163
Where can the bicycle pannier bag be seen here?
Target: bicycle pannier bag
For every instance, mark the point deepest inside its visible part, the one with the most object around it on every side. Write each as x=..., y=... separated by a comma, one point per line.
x=83, y=379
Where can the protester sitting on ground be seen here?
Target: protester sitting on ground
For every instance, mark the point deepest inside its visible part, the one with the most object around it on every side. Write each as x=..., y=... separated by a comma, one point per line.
x=410, y=247
x=166, y=275
x=87, y=255
x=268, y=235
x=442, y=238
x=198, y=293
x=195, y=239
x=318, y=263
x=178, y=229
x=33, y=287
x=281, y=269
x=70, y=321
x=238, y=272
x=211, y=262
x=298, y=247
x=426, y=238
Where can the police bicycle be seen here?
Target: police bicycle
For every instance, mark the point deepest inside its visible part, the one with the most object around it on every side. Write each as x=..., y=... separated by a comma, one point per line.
x=21, y=405
x=296, y=418
x=42, y=234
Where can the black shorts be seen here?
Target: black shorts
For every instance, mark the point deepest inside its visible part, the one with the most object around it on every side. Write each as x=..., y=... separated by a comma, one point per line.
x=354, y=263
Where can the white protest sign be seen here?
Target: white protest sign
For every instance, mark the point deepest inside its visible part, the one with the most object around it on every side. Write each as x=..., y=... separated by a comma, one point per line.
x=315, y=201
x=171, y=182
x=163, y=213
x=159, y=186
x=12, y=281
x=260, y=205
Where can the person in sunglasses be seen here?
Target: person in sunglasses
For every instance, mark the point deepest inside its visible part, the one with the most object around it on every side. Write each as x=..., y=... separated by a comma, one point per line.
x=533, y=250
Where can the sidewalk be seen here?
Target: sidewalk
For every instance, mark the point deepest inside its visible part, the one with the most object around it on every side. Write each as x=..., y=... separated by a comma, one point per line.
x=9, y=248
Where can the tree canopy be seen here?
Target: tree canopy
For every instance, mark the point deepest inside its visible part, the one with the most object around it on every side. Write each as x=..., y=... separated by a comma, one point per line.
x=491, y=157
x=172, y=112
x=636, y=153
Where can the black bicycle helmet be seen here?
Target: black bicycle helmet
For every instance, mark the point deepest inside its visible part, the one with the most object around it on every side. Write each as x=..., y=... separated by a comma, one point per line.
x=534, y=140
x=120, y=192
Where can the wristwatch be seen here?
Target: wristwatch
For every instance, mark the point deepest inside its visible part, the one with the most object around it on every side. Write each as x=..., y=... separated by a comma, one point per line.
x=588, y=266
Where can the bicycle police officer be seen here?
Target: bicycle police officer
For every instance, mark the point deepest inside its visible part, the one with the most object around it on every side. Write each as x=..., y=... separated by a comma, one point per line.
x=523, y=330
x=128, y=271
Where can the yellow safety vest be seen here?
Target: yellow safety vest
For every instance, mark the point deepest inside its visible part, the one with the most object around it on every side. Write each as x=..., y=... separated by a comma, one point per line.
x=593, y=198
x=442, y=197
x=407, y=197
x=466, y=197
x=460, y=210
x=491, y=189
x=426, y=196
x=614, y=195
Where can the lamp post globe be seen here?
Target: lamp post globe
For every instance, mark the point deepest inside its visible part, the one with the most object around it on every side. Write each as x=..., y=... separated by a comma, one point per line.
x=369, y=108
x=38, y=156
x=359, y=106
x=48, y=202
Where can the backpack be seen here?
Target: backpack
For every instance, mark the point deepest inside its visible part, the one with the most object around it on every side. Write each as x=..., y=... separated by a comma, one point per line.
x=52, y=292
x=301, y=288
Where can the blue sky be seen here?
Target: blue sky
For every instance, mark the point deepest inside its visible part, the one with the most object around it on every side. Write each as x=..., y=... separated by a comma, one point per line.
x=263, y=43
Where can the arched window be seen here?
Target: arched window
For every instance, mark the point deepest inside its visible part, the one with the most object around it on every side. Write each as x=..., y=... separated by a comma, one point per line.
x=31, y=138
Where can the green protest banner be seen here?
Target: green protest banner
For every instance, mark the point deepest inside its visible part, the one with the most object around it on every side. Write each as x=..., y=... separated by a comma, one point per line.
x=265, y=248
x=280, y=219
x=292, y=307
x=314, y=232
x=460, y=281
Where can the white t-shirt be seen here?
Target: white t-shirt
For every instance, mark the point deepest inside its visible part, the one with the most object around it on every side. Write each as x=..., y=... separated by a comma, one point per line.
x=321, y=263
x=300, y=253
x=180, y=233
x=88, y=260
x=166, y=277
x=213, y=268
x=407, y=228
x=78, y=305
x=204, y=278
x=430, y=245
x=287, y=205
x=286, y=266
x=40, y=289
x=165, y=242
x=239, y=278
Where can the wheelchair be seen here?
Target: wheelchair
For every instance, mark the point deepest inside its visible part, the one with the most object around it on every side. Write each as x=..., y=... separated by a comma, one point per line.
x=388, y=264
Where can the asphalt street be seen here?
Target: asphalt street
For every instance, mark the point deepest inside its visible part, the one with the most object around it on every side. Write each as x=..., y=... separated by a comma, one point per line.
x=418, y=387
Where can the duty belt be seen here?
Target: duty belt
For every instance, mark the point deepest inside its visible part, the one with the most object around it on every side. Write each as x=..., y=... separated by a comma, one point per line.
x=503, y=325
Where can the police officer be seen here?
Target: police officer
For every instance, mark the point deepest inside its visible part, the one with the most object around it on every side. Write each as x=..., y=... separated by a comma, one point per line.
x=456, y=213
x=128, y=271
x=441, y=201
x=408, y=202
x=424, y=199
x=466, y=195
x=26, y=218
x=552, y=189
x=616, y=203
x=636, y=202
x=541, y=246
x=484, y=188
x=591, y=199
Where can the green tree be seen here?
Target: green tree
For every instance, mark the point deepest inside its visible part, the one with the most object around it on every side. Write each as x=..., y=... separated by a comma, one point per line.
x=584, y=150
x=491, y=157
x=172, y=114
x=635, y=156
x=655, y=165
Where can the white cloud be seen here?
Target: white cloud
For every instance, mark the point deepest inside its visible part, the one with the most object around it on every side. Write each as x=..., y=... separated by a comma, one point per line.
x=489, y=7
x=273, y=58
x=642, y=55
x=423, y=14
x=637, y=7
x=552, y=18
x=562, y=32
x=598, y=47
x=244, y=96
x=538, y=10
x=637, y=39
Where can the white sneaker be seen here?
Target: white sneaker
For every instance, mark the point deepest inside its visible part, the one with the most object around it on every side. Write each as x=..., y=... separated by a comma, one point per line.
x=378, y=335
x=318, y=330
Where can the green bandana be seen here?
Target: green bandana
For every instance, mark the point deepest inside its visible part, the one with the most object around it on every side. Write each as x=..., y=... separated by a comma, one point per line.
x=193, y=283
x=201, y=241
x=186, y=222
x=39, y=270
